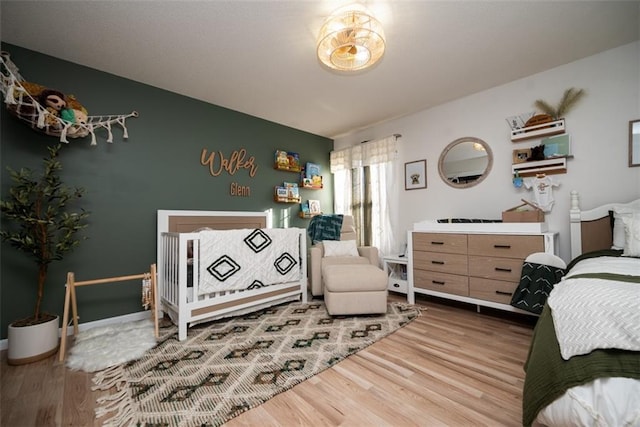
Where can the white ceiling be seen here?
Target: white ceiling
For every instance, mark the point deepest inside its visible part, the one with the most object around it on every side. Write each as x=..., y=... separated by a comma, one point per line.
x=258, y=57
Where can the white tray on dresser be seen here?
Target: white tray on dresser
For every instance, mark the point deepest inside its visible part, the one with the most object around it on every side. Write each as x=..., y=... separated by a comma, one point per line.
x=481, y=227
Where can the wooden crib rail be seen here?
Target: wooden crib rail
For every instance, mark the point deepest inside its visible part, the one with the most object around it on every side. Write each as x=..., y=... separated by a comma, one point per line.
x=70, y=298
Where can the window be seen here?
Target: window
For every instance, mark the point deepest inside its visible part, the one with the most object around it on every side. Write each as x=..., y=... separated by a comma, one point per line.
x=364, y=179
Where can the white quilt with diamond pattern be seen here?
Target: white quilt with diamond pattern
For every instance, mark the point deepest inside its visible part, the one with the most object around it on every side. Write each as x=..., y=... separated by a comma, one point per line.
x=248, y=259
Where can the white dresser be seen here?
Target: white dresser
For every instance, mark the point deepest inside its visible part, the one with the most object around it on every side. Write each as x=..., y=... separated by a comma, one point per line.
x=476, y=263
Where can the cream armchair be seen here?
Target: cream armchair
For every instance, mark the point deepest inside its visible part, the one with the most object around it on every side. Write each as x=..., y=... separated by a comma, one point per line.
x=317, y=260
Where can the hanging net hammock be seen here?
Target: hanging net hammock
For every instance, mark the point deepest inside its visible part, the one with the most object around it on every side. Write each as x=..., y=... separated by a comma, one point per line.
x=51, y=112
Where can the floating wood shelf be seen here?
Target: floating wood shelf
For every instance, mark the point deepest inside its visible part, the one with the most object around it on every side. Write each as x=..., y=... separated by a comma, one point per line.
x=548, y=166
x=311, y=187
x=287, y=168
x=537, y=131
x=287, y=200
x=307, y=215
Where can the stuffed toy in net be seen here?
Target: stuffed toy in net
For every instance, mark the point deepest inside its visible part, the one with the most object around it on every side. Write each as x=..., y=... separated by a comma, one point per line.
x=50, y=111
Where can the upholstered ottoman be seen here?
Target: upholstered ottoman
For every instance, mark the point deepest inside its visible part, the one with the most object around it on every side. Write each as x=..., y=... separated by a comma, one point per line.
x=355, y=289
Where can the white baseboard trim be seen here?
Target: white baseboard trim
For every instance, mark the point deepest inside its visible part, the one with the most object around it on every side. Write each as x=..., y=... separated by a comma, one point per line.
x=131, y=317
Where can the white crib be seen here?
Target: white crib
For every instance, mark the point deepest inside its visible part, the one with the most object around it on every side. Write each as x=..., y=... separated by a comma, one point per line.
x=179, y=291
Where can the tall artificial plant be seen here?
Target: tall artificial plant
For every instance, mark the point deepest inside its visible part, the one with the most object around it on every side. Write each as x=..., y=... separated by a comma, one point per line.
x=39, y=220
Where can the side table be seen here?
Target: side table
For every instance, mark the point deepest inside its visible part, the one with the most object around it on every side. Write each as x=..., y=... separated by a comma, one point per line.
x=396, y=269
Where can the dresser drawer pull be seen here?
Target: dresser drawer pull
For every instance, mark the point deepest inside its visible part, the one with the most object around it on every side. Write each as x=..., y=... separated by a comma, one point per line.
x=507, y=270
x=395, y=285
x=502, y=246
x=437, y=243
x=437, y=262
x=437, y=282
x=504, y=293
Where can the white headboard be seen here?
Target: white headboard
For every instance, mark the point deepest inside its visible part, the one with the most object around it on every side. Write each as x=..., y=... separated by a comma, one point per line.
x=591, y=230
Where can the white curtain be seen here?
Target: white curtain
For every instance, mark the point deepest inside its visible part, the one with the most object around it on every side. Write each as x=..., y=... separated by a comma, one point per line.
x=380, y=158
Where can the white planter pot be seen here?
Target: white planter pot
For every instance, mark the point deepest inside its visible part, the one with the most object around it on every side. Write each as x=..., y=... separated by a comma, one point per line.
x=29, y=344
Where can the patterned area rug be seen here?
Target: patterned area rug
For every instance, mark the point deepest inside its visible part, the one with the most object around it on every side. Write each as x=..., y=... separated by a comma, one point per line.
x=229, y=366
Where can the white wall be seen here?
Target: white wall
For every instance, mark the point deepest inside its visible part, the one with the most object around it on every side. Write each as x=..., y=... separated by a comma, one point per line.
x=598, y=126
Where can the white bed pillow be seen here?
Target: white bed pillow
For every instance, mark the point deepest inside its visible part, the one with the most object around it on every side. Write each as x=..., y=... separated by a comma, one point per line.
x=619, y=234
x=632, y=235
x=340, y=248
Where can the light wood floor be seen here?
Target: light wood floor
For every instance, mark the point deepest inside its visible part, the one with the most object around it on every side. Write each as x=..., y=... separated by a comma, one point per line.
x=451, y=366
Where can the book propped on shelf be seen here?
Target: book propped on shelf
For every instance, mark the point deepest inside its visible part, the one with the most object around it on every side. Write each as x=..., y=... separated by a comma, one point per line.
x=311, y=170
x=292, y=190
x=314, y=207
x=287, y=193
x=311, y=177
x=287, y=161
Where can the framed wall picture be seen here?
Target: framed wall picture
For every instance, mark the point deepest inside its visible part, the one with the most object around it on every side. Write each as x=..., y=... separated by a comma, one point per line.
x=415, y=175
x=521, y=155
x=634, y=143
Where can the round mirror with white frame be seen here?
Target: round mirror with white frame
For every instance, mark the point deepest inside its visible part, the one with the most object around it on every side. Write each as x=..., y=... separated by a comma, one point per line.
x=465, y=162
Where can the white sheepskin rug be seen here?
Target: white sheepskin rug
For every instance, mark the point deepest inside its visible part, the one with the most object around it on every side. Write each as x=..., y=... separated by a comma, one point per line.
x=102, y=347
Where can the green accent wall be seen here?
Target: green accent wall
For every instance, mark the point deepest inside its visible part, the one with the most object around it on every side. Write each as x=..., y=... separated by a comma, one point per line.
x=127, y=181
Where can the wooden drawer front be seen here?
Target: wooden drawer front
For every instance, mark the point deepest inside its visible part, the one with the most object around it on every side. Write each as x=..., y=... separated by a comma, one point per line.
x=440, y=242
x=441, y=282
x=505, y=245
x=491, y=290
x=495, y=268
x=444, y=263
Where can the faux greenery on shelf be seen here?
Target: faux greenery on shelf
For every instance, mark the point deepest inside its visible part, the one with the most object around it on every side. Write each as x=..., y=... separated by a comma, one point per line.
x=38, y=220
x=569, y=99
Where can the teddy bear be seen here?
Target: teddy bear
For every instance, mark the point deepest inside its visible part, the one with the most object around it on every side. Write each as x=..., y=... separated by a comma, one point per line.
x=33, y=89
x=75, y=114
x=73, y=103
x=80, y=114
x=62, y=110
x=53, y=101
x=68, y=115
x=80, y=120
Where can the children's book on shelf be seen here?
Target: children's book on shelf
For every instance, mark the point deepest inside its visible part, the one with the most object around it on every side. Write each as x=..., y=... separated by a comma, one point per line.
x=287, y=160
x=292, y=190
x=314, y=207
x=311, y=177
x=281, y=194
x=311, y=170
x=287, y=192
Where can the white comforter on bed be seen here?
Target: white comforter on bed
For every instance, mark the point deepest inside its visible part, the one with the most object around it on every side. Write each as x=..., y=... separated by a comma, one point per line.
x=605, y=402
x=248, y=259
x=591, y=313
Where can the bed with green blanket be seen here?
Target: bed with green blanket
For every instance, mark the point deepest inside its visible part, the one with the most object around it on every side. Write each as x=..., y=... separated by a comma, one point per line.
x=583, y=367
x=550, y=374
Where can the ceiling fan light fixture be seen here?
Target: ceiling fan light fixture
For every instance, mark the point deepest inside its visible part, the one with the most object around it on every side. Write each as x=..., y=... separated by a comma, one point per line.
x=478, y=147
x=350, y=40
